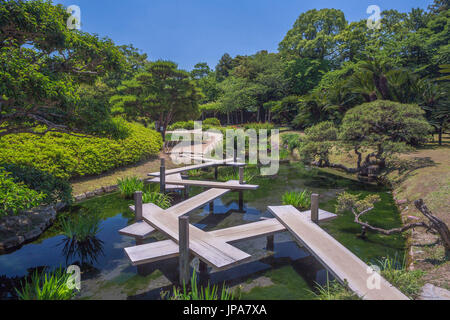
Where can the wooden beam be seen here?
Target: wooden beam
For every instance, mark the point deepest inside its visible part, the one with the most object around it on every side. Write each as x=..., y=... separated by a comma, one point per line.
x=183, y=243
x=315, y=208
x=345, y=266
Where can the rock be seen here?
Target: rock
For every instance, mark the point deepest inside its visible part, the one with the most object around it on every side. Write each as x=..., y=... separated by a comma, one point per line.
x=110, y=189
x=90, y=194
x=98, y=192
x=32, y=234
x=431, y=292
x=80, y=197
x=60, y=205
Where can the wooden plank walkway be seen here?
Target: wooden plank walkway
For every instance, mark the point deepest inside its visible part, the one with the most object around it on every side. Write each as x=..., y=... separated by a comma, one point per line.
x=140, y=230
x=205, y=246
x=231, y=185
x=199, y=166
x=167, y=249
x=174, y=178
x=338, y=260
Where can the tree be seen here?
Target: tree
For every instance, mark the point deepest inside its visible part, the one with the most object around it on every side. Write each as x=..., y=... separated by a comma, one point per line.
x=161, y=93
x=200, y=70
x=372, y=131
x=313, y=35
x=224, y=67
x=360, y=207
x=42, y=64
x=304, y=74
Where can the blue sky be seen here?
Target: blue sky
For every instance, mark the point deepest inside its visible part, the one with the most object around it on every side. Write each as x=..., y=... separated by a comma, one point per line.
x=190, y=31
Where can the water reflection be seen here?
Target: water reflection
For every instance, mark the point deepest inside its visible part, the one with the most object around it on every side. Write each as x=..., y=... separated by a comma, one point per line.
x=84, y=252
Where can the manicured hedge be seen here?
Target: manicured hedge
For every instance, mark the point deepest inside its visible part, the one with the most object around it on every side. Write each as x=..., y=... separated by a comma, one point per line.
x=67, y=156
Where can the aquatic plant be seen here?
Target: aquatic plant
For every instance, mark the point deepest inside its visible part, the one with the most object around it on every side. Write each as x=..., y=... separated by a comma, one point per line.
x=395, y=271
x=81, y=228
x=300, y=200
x=129, y=185
x=196, y=292
x=47, y=286
x=333, y=290
x=230, y=173
x=161, y=200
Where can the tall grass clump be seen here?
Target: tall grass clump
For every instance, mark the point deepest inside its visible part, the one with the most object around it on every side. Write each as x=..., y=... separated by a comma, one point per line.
x=395, y=271
x=333, y=290
x=161, y=200
x=129, y=185
x=196, y=292
x=81, y=229
x=47, y=286
x=300, y=200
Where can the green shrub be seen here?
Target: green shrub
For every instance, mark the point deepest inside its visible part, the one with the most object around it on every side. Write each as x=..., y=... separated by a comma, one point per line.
x=68, y=156
x=212, y=122
x=47, y=286
x=196, y=292
x=291, y=141
x=185, y=125
x=54, y=188
x=333, y=290
x=396, y=273
x=161, y=200
x=16, y=197
x=129, y=185
x=259, y=126
x=300, y=200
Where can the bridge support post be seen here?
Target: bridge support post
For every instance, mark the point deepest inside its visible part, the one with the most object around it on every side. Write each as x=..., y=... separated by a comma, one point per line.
x=216, y=173
x=138, y=205
x=241, y=175
x=241, y=201
x=186, y=192
x=270, y=243
x=162, y=176
x=203, y=267
x=315, y=208
x=211, y=207
x=183, y=229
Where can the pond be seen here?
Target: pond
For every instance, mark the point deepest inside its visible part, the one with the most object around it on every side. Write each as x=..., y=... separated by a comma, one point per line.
x=288, y=272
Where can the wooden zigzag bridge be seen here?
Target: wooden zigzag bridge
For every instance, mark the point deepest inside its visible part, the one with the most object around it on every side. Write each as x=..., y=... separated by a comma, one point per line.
x=215, y=248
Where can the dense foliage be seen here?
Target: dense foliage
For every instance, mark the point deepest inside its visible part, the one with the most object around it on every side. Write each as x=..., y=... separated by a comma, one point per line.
x=52, y=187
x=43, y=63
x=16, y=197
x=327, y=66
x=372, y=131
x=67, y=156
x=161, y=93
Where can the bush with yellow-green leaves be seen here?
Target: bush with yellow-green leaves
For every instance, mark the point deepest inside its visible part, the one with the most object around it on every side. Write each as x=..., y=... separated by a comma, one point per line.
x=68, y=156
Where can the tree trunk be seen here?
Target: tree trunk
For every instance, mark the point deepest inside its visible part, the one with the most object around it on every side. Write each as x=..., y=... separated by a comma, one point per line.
x=436, y=224
x=228, y=118
x=440, y=136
